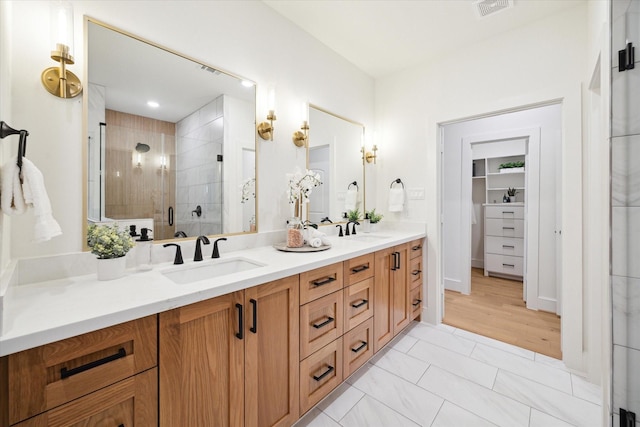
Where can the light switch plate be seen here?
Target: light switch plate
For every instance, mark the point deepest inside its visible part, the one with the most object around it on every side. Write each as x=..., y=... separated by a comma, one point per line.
x=415, y=193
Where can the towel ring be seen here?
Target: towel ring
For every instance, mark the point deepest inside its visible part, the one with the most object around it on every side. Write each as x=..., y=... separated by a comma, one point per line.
x=397, y=181
x=353, y=183
x=6, y=130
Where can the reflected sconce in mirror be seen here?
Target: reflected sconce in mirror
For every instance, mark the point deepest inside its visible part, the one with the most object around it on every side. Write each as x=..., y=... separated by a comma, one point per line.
x=265, y=129
x=301, y=137
x=58, y=80
x=371, y=156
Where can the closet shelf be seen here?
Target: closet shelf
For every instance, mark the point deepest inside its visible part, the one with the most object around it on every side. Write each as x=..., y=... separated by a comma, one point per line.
x=503, y=188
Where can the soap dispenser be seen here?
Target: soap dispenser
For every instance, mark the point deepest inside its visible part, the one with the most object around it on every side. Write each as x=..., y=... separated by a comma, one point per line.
x=366, y=226
x=143, y=250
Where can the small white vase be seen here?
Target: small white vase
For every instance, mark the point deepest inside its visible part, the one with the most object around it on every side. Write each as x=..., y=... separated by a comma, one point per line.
x=111, y=268
x=373, y=227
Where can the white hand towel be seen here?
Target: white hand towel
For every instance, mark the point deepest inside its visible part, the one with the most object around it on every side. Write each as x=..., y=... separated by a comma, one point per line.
x=12, y=199
x=35, y=194
x=396, y=199
x=315, y=242
x=315, y=234
x=350, y=200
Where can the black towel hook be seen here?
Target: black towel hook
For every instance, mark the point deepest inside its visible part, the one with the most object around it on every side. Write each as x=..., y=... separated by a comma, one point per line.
x=397, y=181
x=353, y=183
x=6, y=130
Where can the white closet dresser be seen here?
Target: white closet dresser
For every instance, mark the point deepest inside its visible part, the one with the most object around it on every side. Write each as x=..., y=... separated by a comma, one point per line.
x=504, y=229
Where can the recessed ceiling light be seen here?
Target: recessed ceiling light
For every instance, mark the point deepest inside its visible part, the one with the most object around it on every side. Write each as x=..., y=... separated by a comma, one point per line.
x=153, y=104
x=247, y=83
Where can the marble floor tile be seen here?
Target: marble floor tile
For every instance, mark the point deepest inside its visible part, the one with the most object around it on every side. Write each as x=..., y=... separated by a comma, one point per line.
x=550, y=361
x=414, y=402
x=340, y=401
x=522, y=352
x=586, y=390
x=452, y=415
x=498, y=409
x=479, y=372
x=442, y=338
x=371, y=413
x=540, y=419
x=400, y=364
x=402, y=342
x=316, y=418
x=544, y=374
x=548, y=400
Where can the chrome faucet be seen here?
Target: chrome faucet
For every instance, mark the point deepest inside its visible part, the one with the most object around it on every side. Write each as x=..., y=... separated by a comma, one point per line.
x=198, y=254
x=216, y=253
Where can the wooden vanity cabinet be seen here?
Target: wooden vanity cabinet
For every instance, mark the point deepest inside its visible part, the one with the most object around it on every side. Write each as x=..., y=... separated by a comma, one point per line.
x=232, y=360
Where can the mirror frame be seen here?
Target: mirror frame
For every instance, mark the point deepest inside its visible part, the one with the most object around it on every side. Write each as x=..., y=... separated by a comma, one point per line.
x=85, y=126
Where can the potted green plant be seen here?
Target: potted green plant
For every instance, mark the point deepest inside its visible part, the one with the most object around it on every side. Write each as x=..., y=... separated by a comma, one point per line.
x=511, y=167
x=354, y=215
x=111, y=245
x=511, y=192
x=374, y=219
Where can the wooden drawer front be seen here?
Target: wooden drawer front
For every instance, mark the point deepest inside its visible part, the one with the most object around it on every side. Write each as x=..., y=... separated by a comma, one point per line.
x=358, y=303
x=504, y=227
x=358, y=269
x=415, y=249
x=504, y=212
x=505, y=245
x=416, y=301
x=53, y=374
x=504, y=264
x=133, y=401
x=358, y=347
x=415, y=272
x=320, y=282
x=319, y=374
x=321, y=321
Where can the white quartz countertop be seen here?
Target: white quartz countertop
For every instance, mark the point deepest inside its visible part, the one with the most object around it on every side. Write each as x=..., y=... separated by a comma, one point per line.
x=44, y=312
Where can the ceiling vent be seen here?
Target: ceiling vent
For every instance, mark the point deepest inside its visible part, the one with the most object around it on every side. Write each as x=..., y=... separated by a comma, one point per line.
x=489, y=7
x=209, y=69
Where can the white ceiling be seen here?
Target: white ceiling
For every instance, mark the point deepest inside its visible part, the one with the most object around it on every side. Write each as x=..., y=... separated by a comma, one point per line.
x=384, y=36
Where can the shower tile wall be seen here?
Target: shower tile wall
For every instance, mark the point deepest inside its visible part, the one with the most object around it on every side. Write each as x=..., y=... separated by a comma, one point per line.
x=199, y=173
x=625, y=210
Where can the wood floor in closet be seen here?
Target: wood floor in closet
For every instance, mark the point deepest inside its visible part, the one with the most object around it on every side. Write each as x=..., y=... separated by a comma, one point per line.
x=495, y=309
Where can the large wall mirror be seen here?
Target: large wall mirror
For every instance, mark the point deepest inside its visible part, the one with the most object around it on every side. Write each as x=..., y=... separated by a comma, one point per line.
x=171, y=142
x=334, y=153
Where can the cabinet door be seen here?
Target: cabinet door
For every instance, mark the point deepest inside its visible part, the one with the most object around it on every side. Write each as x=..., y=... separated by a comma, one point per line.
x=383, y=298
x=271, y=354
x=130, y=402
x=402, y=309
x=202, y=363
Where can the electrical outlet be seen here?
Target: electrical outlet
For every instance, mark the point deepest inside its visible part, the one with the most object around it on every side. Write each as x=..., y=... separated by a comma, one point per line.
x=415, y=193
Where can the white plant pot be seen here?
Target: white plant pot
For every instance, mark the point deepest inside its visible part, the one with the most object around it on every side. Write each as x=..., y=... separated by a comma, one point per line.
x=511, y=170
x=373, y=227
x=111, y=268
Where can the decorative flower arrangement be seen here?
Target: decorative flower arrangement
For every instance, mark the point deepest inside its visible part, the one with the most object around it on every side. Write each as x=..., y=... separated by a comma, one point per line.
x=301, y=184
x=107, y=241
x=248, y=190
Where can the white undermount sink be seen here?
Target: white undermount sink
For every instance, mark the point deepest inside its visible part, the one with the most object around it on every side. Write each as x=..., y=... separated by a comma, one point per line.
x=210, y=270
x=367, y=237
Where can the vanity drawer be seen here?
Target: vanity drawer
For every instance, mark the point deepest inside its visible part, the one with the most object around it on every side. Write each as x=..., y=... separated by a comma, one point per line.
x=321, y=321
x=504, y=227
x=504, y=212
x=320, y=282
x=319, y=374
x=53, y=374
x=505, y=245
x=358, y=269
x=358, y=303
x=504, y=264
x=415, y=248
x=415, y=272
x=416, y=301
x=358, y=347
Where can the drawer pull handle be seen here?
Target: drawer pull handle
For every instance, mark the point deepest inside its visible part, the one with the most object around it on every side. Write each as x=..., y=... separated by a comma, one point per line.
x=359, y=268
x=416, y=272
x=66, y=373
x=240, y=335
x=121, y=425
x=416, y=248
x=324, y=282
x=417, y=303
x=508, y=228
x=324, y=374
x=360, y=304
x=508, y=212
x=362, y=345
x=325, y=323
x=254, y=328
x=509, y=246
x=508, y=265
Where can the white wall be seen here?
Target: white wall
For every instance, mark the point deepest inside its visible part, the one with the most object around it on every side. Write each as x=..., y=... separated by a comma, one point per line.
x=543, y=61
x=10, y=146
x=260, y=45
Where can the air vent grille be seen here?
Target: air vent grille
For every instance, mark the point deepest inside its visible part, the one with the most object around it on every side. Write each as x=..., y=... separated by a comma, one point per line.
x=488, y=7
x=209, y=69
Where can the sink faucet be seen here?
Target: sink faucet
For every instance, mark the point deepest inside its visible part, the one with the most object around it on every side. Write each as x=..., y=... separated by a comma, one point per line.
x=216, y=253
x=354, y=227
x=326, y=219
x=198, y=254
x=180, y=234
x=178, y=258
x=340, y=233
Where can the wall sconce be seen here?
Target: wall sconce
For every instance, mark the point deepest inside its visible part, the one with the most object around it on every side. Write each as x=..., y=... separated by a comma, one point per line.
x=301, y=137
x=57, y=80
x=265, y=129
x=369, y=156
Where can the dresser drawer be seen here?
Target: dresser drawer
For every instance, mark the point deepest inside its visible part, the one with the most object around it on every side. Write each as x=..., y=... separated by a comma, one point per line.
x=504, y=227
x=415, y=248
x=504, y=212
x=320, y=282
x=358, y=269
x=321, y=321
x=319, y=374
x=358, y=347
x=504, y=245
x=504, y=264
x=415, y=272
x=416, y=302
x=53, y=374
x=358, y=303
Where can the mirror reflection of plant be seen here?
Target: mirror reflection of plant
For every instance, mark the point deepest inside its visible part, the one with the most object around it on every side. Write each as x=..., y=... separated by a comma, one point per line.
x=373, y=216
x=354, y=215
x=248, y=190
x=510, y=165
x=511, y=192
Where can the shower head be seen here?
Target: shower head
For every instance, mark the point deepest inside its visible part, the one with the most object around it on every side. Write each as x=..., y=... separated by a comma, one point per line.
x=142, y=148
